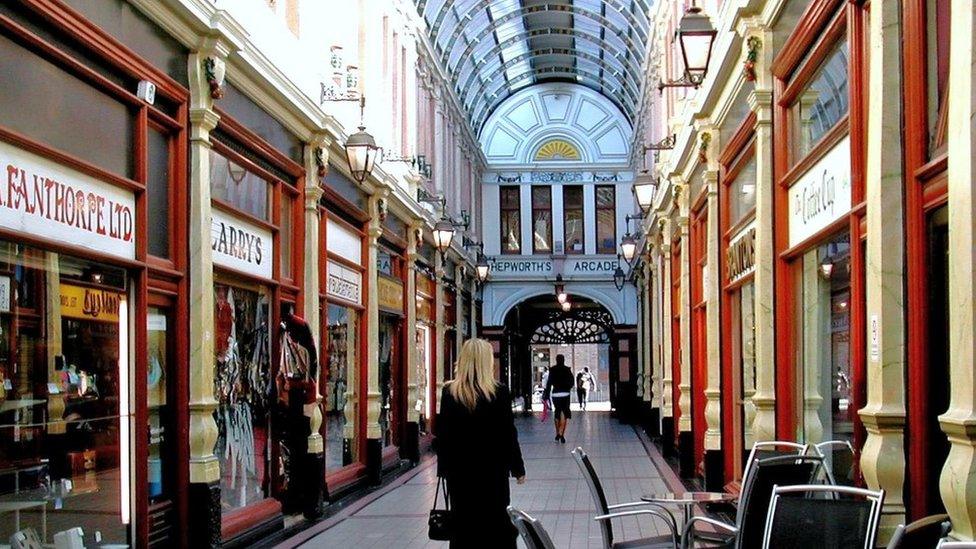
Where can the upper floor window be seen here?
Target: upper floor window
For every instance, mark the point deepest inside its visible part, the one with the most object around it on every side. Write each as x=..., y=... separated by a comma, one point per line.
x=937, y=23
x=511, y=223
x=238, y=187
x=822, y=103
x=541, y=220
x=606, y=220
x=573, y=235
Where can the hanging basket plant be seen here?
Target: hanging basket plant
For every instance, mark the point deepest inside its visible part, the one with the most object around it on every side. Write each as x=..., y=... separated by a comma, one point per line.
x=753, y=45
x=706, y=138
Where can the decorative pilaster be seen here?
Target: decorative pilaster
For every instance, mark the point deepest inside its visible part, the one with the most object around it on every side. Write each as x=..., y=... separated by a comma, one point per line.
x=668, y=428
x=958, y=481
x=439, y=329
x=686, y=444
x=374, y=433
x=205, y=510
x=714, y=462
x=458, y=308
x=316, y=167
x=411, y=446
x=763, y=426
x=883, y=456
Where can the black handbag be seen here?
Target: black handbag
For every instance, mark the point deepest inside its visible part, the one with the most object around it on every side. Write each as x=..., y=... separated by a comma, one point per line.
x=440, y=525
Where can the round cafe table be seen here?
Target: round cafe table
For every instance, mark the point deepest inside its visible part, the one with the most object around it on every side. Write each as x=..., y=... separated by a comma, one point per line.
x=688, y=500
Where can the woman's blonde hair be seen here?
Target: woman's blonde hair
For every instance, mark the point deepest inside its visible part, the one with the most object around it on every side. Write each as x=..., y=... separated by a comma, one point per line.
x=474, y=375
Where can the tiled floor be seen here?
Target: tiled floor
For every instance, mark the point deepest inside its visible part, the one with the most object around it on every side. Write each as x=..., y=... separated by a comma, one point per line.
x=555, y=493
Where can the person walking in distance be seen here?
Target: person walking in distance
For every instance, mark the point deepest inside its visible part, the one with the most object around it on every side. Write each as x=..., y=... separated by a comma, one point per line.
x=558, y=388
x=584, y=384
x=478, y=450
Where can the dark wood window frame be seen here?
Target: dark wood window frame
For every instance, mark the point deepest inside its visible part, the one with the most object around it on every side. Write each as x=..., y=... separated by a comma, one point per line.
x=567, y=245
x=541, y=209
x=600, y=248
x=517, y=210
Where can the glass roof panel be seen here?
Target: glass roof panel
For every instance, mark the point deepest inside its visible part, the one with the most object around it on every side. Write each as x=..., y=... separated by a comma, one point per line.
x=490, y=52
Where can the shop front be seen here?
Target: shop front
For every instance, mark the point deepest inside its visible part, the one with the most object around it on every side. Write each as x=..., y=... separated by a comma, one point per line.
x=343, y=319
x=698, y=280
x=450, y=327
x=392, y=350
x=738, y=237
x=425, y=341
x=672, y=425
x=91, y=303
x=926, y=71
x=819, y=170
x=255, y=177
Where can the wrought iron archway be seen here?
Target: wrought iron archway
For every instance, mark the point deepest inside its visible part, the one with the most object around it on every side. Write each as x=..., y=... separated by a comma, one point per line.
x=573, y=327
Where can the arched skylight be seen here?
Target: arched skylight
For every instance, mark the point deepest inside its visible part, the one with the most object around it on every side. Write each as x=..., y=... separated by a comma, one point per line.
x=493, y=48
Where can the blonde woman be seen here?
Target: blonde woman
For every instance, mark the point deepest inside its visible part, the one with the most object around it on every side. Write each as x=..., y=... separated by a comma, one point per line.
x=478, y=450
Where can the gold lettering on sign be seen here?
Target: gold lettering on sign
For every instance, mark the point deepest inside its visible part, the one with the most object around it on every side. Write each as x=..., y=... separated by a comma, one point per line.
x=740, y=257
x=89, y=303
x=390, y=293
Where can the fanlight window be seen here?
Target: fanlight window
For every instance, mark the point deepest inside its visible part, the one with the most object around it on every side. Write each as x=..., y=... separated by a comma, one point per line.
x=557, y=149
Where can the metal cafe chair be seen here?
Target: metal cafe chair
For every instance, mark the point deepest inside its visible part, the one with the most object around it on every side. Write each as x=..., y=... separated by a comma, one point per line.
x=817, y=515
x=924, y=532
x=946, y=544
x=533, y=534
x=606, y=512
x=772, y=448
x=823, y=449
x=750, y=519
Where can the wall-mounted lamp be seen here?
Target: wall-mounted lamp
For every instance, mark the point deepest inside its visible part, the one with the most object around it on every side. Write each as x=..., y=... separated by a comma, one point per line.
x=560, y=290
x=826, y=270
x=628, y=243
x=645, y=187
x=619, y=277
x=695, y=35
x=566, y=305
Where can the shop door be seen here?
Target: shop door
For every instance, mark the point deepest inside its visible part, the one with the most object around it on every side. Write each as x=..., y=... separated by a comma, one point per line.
x=675, y=335
x=161, y=423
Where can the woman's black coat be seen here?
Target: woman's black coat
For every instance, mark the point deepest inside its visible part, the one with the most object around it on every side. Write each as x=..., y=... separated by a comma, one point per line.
x=477, y=451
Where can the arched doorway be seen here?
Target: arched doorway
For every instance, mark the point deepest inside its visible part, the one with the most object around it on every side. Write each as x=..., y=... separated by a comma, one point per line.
x=537, y=329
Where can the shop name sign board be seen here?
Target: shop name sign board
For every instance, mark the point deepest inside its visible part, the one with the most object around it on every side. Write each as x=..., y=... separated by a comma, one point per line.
x=581, y=267
x=740, y=258
x=344, y=283
x=241, y=245
x=390, y=293
x=89, y=303
x=822, y=195
x=45, y=199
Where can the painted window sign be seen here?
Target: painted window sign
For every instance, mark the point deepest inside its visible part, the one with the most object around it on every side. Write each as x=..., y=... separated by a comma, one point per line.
x=48, y=200
x=740, y=256
x=240, y=245
x=344, y=283
x=822, y=195
x=89, y=303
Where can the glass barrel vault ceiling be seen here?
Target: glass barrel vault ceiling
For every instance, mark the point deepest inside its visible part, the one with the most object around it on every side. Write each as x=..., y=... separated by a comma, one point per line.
x=493, y=48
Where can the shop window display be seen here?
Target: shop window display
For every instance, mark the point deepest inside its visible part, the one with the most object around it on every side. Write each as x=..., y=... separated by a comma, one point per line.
x=64, y=384
x=389, y=332
x=340, y=406
x=824, y=362
x=243, y=386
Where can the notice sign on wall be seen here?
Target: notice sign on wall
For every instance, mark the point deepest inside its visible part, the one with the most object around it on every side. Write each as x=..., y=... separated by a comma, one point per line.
x=822, y=195
x=241, y=245
x=45, y=199
x=344, y=283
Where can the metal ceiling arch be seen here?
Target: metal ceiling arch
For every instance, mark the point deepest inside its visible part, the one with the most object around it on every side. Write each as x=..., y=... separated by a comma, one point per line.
x=493, y=69
x=560, y=75
x=622, y=34
x=618, y=5
x=525, y=11
x=511, y=44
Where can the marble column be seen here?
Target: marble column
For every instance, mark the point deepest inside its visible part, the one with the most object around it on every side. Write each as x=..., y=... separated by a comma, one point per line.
x=763, y=424
x=685, y=434
x=411, y=446
x=667, y=348
x=373, y=401
x=205, y=508
x=316, y=166
x=714, y=464
x=655, y=340
x=458, y=309
x=883, y=455
x=440, y=330
x=958, y=481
